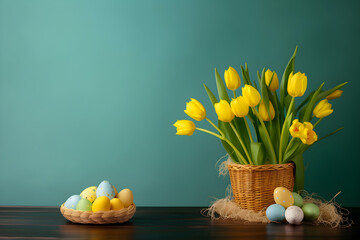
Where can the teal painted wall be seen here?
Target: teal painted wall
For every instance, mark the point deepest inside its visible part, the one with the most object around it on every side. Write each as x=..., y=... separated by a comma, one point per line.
x=89, y=90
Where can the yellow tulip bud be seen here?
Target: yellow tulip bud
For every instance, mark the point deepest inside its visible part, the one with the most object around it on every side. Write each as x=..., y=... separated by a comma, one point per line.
x=223, y=111
x=334, y=95
x=323, y=109
x=275, y=81
x=184, y=127
x=264, y=113
x=308, y=135
x=296, y=128
x=297, y=84
x=239, y=107
x=251, y=95
x=232, y=79
x=195, y=110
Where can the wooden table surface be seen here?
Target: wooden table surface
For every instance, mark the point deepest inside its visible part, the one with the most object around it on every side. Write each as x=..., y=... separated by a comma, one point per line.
x=158, y=223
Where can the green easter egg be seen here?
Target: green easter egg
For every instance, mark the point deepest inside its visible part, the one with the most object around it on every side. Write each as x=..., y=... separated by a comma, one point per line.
x=84, y=205
x=298, y=201
x=311, y=211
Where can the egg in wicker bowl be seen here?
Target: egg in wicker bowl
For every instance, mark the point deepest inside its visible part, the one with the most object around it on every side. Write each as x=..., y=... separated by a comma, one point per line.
x=100, y=217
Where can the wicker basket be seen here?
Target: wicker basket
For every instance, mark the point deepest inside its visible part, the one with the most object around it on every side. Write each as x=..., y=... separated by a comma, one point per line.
x=100, y=217
x=253, y=186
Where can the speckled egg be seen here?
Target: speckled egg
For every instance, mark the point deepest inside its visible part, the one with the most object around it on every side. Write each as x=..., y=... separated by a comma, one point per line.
x=72, y=201
x=275, y=213
x=116, y=204
x=311, y=211
x=294, y=215
x=84, y=205
x=101, y=204
x=105, y=189
x=89, y=193
x=126, y=196
x=298, y=201
x=283, y=197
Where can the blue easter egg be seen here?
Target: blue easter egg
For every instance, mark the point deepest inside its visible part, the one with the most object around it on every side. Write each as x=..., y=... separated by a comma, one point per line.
x=105, y=189
x=72, y=201
x=275, y=213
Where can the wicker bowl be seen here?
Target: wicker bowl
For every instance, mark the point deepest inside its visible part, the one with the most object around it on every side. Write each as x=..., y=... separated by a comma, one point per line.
x=100, y=217
x=253, y=186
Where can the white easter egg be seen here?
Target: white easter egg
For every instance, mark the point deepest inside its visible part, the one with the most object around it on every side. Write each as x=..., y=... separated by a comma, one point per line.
x=294, y=215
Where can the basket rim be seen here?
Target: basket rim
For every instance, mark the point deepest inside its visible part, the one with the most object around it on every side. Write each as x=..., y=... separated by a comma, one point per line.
x=264, y=167
x=100, y=212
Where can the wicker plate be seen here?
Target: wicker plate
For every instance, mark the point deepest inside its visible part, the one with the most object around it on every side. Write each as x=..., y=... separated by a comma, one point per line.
x=100, y=217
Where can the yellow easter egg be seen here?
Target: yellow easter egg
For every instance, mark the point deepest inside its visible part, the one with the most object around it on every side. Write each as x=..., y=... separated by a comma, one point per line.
x=89, y=193
x=116, y=204
x=126, y=197
x=101, y=204
x=283, y=197
x=115, y=190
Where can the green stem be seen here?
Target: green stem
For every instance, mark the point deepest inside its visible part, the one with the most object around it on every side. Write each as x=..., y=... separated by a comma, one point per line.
x=234, y=94
x=283, y=128
x=266, y=133
x=216, y=127
x=289, y=145
x=210, y=132
x=318, y=121
x=242, y=143
x=248, y=129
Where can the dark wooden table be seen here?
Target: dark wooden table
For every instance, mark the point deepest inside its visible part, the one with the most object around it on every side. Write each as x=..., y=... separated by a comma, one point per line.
x=158, y=223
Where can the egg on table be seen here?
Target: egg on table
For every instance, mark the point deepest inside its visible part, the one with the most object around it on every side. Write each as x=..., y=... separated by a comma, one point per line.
x=72, y=201
x=294, y=215
x=84, y=205
x=126, y=196
x=283, y=197
x=101, y=204
x=105, y=189
x=298, y=201
x=275, y=213
x=89, y=193
x=311, y=211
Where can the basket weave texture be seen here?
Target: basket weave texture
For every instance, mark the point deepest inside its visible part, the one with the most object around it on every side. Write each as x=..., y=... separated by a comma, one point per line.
x=253, y=186
x=100, y=217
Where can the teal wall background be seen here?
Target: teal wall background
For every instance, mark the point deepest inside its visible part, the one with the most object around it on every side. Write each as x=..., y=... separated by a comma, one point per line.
x=89, y=91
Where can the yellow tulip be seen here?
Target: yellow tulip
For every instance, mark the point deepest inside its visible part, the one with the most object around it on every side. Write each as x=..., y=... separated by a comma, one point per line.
x=264, y=113
x=251, y=95
x=297, y=84
x=308, y=135
x=296, y=128
x=275, y=81
x=323, y=109
x=232, y=79
x=184, y=127
x=334, y=95
x=223, y=111
x=239, y=107
x=195, y=110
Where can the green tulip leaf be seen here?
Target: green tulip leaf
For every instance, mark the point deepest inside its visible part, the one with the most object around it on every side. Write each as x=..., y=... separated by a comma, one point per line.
x=266, y=143
x=223, y=95
x=299, y=172
x=245, y=76
x=286, y=133
x=211, y=95
x=306, y=117
x=257, y=153
x=326, y=93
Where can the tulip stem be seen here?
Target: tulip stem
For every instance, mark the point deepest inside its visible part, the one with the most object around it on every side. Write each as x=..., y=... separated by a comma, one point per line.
x=248, y=129
x=289, y=145
x=318, y=121
x=266, y=134
x=234, y=94
x=218, y=129
x=283, y=128
x=243, y=160
x=242, y=143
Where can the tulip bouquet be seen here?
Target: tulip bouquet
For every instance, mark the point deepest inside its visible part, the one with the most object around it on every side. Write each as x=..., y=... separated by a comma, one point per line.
x=281, y=130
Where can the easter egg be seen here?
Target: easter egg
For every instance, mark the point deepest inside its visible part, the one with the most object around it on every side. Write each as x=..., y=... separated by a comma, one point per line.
x=126, y=197
x=298, y=201
x=89, y=193
x=115, y=190
x=72, y=201
x=311, y=211
x=105, y=189
x=101, y=204
x=275, y=213
x=84, y=205
x=116, y=204
x=294, y=215
x=283, y=197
